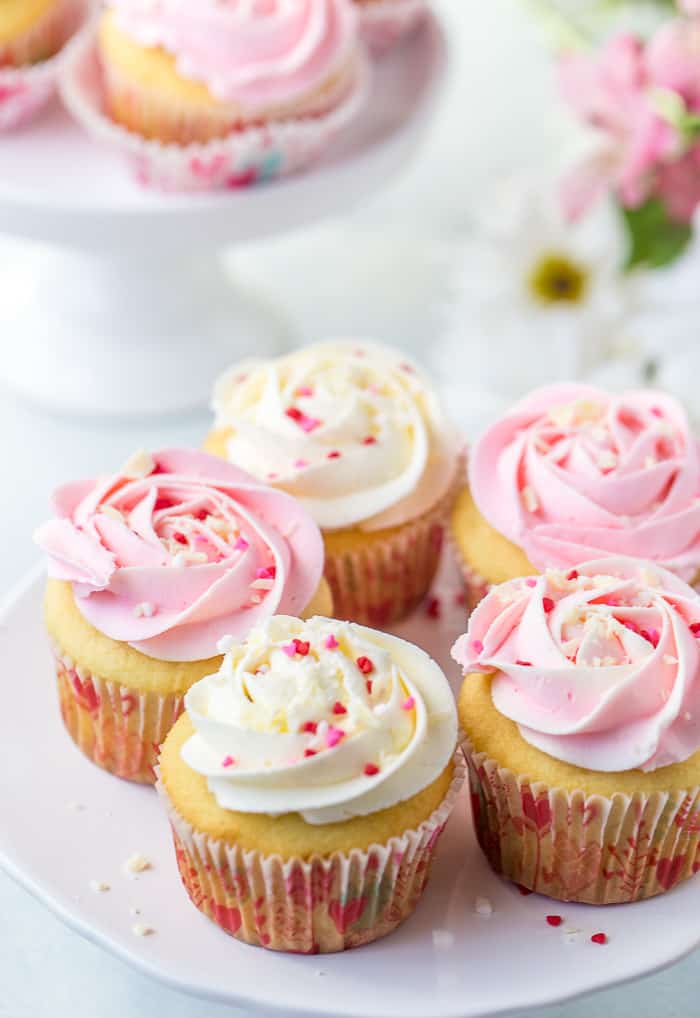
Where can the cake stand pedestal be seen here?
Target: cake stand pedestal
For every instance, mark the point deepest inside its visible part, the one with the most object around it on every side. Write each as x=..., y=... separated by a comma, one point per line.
x=125, y=308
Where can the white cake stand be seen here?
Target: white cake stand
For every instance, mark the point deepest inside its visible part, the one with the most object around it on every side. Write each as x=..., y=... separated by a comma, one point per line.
x=130, y=311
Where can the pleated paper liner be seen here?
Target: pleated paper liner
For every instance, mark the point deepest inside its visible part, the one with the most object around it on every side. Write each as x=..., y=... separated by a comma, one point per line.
x=383, y=581
x=318, y=906
x=118, y=728
x=39, y=55
x=242, y=158
x=383, y=23
x=573, y=847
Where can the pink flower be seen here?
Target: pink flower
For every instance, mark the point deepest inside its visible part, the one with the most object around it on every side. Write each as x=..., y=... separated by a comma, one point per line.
x=673, y=59
x=689, y=7
x=679, y=186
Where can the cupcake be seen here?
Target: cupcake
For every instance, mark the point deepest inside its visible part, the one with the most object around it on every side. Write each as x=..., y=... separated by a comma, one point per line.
x=581, y=707
x=357, y=434
x=32, y=35
x=384, y=22
x=181, y=73
x=149, y=569
x=308, y=782
x=574, y=473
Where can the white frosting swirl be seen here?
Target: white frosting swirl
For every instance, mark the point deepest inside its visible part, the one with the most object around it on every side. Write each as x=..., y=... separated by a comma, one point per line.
x=353, y=430
x=324, y=718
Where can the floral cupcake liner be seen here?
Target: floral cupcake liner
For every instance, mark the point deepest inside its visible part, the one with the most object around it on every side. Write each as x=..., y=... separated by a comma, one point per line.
x=118, y=728
x=27, y=87
x=384, y=581
x=575, y=847
x=242, y=158
x=318, y=906
x=384, y=22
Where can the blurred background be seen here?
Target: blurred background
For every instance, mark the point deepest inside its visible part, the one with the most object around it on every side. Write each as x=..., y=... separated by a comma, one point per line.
x=449, y=260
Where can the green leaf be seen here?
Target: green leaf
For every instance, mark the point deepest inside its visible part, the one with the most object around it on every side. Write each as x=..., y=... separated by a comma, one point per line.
x=655, y=238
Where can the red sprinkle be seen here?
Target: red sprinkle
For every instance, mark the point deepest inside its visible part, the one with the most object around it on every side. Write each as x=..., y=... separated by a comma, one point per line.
x=695, y=628
x=656, y=411
x=433, y=608
x=309, y=752
x=228, y=761
x=371, y=769
x=294, y=413
x=338, y=708
x=180, y=538
x=525, y=664
x=524, y=890
x=548, y=604
x=369, y=685
x=365, y=665
x=573, y=575
x=370, y=440
x=202, y=514
x=310, y=727
x=302, y=647
x=554, y=920
x=600, y=938
x=268, y=573
x=334, y=454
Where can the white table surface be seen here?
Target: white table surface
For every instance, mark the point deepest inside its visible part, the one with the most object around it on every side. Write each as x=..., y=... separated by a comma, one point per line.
x=381, y=274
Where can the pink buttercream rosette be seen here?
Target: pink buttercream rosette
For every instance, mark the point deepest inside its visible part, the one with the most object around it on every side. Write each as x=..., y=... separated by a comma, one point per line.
x=245, y=157
x=599, y=668
x=25, y=90
x=574, y=472
x=181, y=550
x=383, y=23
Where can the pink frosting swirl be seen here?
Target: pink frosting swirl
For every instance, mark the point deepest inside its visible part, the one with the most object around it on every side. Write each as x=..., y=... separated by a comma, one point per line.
x=599, y=667
x=574, y=472
x=180, y=549
x=252, y=52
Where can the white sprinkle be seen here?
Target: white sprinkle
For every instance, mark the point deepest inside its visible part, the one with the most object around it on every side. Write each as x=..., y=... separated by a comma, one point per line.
x=139, y=930
x=688, y=716
x=607, y=460
x=262, y=584
x=218, y=525
x=144, y=610
x=530, y=500
x=99, y=886
x=650, y=461
x=136, y=863
x=255, y=598
x=443, y=940
x=112, y=512
x=225, y=644
x=483, y=907
x=669, y=659
x=570, y=935
x=179, y=560
x=140, y=465
x=649, y=577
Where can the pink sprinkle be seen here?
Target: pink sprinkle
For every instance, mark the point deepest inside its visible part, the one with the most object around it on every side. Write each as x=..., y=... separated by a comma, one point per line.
x=370, y=440
x=241, y=544
x=548, y=605
x=531, y=582
x=300, y=464
x=365, y=665
x=272, y=476
x=656, y=411
x=409, y=704
x=289, y=649
x=371, y=769
x=228, y=761
x=334, y=454
x=268, y=573
x=305, y=390
x=308, y=424
x=408, y=368
x=338, y=708
x=334, y=736
x=331, y=643
x=477, y=647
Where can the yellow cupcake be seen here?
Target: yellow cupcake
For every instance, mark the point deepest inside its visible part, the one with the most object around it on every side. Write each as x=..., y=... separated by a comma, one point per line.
x=584, y=786
x=357, y=434
x=295, y=796
x=151, y=569
x=190, y=88
x=34, y=30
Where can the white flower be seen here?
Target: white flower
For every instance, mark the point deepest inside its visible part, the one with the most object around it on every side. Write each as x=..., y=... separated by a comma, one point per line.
x=536, y=299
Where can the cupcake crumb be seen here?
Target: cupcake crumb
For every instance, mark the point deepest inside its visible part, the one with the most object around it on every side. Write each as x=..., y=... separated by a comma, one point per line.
x=443, y=940
x=570, y=935
x=140, y=930
x=483, y=907
x=99, y=886
x=136, y=864
x=134, y=910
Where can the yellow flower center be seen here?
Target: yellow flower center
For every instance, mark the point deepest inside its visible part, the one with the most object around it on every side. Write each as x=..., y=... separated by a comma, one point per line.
x=555, y=278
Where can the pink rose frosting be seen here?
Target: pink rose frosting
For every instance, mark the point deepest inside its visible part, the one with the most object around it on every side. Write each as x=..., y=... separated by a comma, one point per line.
x=599, y=667
x=252, y=52
x=573, y=472
x=180, y=549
